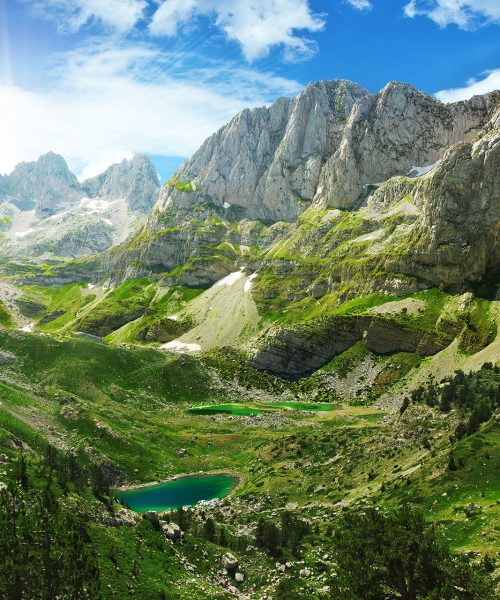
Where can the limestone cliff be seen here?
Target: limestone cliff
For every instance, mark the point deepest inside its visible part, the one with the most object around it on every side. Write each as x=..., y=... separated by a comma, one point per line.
x=325, y=146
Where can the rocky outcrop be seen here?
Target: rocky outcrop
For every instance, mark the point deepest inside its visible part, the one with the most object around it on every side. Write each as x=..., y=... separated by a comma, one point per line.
x=458, y=234
x=200, y=242
x=134, y=180
x=166, y=330
x=172, y=531
x=123, y=517
x=90, y=237
x=436, y=230
x=390, y=132
x=6, y=357
x=90, y=337
x=298, y=351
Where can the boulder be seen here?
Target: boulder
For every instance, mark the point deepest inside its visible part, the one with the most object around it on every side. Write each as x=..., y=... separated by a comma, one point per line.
x=230, y=562
x=123, y=517
x=6, y=357
x=172, y=531
x=239, y=577
x=151, y=515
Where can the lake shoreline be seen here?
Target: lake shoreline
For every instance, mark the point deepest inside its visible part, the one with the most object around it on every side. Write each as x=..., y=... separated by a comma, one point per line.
x=239, y=480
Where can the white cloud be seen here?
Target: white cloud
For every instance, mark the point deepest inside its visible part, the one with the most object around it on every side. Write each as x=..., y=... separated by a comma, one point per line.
x=120, y=15
x=490, y=83
x=361, y=4
x=467, y=14
x=256, y=25
x=109, y=101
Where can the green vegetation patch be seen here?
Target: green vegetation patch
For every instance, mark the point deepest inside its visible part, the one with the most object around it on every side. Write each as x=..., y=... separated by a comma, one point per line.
x=61, y=305
x=5, y=316
x=125, y=303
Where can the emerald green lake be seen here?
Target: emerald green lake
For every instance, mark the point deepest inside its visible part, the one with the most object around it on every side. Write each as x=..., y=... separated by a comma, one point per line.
x=184, y=491
x=247, y=410
x=229, y=409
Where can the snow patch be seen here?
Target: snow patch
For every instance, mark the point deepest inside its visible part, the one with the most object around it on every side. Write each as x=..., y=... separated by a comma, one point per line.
x=21, y=234
x=97, y=205
x=249, y=283
x=419, y=171
x=173, y=317
x=226, y=205
x=181, y=347
x=230, y=279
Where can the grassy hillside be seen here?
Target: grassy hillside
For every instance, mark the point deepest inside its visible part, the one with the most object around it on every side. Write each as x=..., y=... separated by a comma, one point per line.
x=124, y=410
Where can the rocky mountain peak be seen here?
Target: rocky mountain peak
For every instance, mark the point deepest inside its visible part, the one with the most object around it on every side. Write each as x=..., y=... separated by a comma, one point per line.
x=327, y=146
x=266, y=162
x=46, y=209
x=135, y=180
x=47, y=183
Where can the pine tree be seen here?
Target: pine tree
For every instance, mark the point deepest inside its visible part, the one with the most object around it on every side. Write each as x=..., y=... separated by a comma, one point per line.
x=209, y=529
x=452, y=465
x=408, y=559
x=22, y=472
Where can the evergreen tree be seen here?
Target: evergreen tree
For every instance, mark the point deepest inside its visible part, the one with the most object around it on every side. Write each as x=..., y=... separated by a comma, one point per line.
x=22, y=472
x=399, y=555
x=452, y=465
x=209, y=529
x=46, y=553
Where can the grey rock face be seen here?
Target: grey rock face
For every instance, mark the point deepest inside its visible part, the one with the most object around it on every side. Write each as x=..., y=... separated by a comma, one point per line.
x=460, y=212
x=295, y=352
x=326, y=145
x=48, y=183
x=390, y=132
x=267, y=161
x=90, y=238
x=135, y=180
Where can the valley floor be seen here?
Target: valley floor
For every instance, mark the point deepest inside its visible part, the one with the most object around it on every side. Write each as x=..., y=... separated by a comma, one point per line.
x=129, y=410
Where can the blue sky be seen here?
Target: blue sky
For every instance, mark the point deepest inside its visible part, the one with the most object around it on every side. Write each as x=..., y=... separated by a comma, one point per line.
x=99, y=80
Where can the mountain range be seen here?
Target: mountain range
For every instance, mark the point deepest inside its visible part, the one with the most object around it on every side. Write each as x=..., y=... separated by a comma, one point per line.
x=306, y=314
x=45, y=209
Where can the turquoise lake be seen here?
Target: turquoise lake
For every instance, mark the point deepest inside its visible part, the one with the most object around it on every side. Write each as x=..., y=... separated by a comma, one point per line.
x=184, y=491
